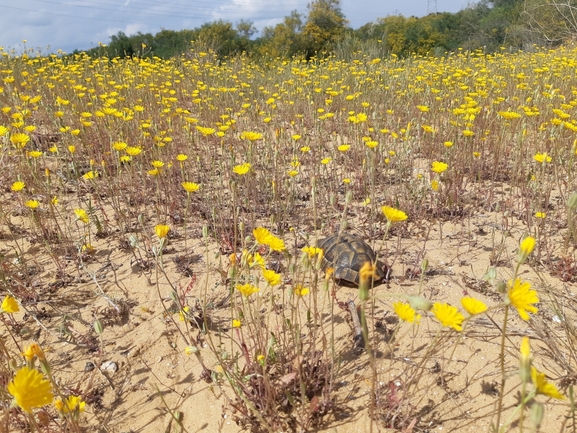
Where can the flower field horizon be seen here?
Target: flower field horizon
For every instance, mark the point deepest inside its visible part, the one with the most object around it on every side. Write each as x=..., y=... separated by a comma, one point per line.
x=158, y=226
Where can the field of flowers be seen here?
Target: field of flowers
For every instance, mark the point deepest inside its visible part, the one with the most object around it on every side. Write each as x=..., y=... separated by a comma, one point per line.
x=158, y=225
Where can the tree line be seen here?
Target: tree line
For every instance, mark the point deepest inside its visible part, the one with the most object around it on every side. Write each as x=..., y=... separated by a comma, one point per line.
x=488, y=24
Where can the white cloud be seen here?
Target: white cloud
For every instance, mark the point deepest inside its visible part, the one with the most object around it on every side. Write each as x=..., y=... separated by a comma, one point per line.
x=129, y=29
x=253, y=9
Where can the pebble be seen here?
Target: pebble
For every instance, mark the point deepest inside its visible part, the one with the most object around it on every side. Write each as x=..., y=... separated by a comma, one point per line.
x=89, y=366
x=109, y=366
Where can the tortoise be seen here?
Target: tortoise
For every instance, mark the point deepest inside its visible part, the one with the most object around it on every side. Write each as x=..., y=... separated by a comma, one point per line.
x=347, y=254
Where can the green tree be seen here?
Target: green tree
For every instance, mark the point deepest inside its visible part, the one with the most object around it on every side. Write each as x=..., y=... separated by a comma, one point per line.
x=395, y=39
x=325, y=26
x=283, y=40
x=224, y=39
x=170, y=43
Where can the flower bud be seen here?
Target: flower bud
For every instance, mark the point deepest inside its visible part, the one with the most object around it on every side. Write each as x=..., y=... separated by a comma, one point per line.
x=319, y=262
x=305, y=261
x=525, y=249
x=491, y=274
x=366, y=275
x=190, y=350
x=133, y=241
x=45, y=367
x=98, y=327
x=419, y=303
x=424, y=266
x=525, y=361
x=13, y=364
x=349, y=197
x=536, y=414
x=174, y=297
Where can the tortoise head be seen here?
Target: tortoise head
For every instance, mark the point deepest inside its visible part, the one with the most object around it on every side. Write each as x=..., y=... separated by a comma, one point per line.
x=383, y=271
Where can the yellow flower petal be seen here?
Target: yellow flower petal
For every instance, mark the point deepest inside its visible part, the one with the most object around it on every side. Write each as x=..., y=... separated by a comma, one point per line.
x=30, y=389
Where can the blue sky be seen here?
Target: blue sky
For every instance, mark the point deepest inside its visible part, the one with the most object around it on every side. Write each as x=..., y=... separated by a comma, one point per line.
x=51, y=25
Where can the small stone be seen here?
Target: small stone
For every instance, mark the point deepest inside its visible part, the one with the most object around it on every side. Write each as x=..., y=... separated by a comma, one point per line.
x=89, y=366
x=109, y=366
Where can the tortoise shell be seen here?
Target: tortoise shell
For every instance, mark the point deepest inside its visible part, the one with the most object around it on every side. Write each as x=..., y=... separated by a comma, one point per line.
x=347, y=254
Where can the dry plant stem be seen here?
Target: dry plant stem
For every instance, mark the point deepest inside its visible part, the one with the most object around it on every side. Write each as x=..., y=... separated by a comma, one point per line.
x=176, y=416
x=430, y=350
x=502, y=366
x=522, y=405
x=372, y=360
x=525, y=398
x=572, y=400
x=570, y=229
x=4, y=348
x=356, y=323
x=185, y=221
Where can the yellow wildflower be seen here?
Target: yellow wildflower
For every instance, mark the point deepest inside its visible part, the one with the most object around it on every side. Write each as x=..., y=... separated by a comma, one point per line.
x=299, y=290
x=18, y=186
x=190, y=186
x=72, y=404
x=90, y=175
x=448, y=315
x=9, y=305
x=406, y=312
x=242, y=169
x=543, y=386
x=161, y=230
x=247, y=289
x=276, y=244
x=250, y=136
x=30, y=389
x=312, y=251
x=393, y=215
x=542, y=157
x=183, y=314
x=271, y=277
x=525, y=248
x=438, y=166
x=473, y=306
x=262, y=235
x=522, y=297
x=81, y=215
x=133, y=151
x=32, y=351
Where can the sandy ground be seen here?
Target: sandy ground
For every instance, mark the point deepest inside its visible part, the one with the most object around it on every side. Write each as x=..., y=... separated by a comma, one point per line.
x=458, y=389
